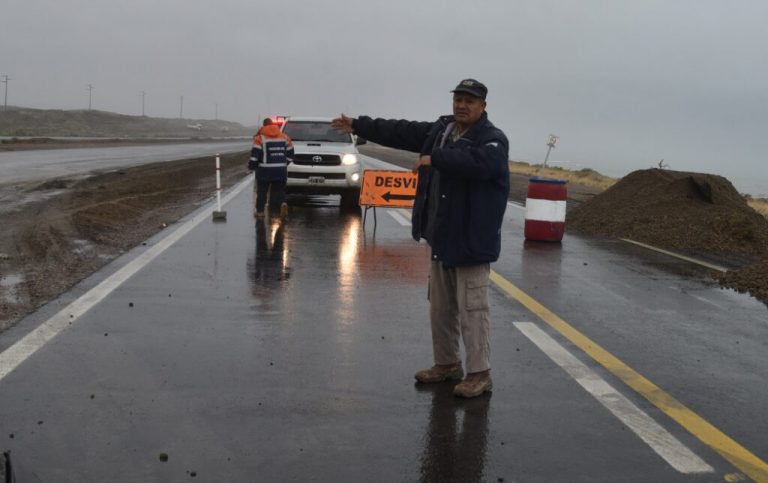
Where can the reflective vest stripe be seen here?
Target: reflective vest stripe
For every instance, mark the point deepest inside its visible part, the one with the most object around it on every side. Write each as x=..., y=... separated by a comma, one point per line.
x=273, y=147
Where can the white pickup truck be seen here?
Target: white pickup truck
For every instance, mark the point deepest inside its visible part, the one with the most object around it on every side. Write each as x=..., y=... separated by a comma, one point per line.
x=325, y=160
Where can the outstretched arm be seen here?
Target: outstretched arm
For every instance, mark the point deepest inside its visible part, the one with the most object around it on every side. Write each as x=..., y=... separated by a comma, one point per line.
x=398, y=134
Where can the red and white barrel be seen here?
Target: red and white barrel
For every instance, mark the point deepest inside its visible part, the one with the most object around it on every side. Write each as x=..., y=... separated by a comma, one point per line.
x=545, y=209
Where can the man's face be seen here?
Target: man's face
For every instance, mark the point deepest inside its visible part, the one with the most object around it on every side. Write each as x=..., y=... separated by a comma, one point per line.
x=467, y=108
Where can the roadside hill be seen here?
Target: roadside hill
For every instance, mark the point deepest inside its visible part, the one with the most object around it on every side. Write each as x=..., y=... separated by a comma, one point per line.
x=18, y=121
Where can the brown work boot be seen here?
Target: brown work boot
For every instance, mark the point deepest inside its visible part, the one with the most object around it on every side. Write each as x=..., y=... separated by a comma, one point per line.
x=440, y=373
x=474, y=384
x=284, y=210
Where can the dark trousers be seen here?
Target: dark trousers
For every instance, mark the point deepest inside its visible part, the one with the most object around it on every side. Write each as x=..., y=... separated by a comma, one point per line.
x=276, y=195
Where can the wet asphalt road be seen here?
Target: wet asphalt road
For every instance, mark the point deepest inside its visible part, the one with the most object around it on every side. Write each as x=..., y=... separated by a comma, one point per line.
x=22, y=166
x=285, y=351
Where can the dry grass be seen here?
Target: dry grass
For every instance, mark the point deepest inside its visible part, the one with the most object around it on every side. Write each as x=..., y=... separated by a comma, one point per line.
x=760, y=205
x=585, y=177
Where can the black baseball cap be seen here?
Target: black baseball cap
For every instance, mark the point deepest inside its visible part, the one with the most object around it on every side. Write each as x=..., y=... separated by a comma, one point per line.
x=472, y=87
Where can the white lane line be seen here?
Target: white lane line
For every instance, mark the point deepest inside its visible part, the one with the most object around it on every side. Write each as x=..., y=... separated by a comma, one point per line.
x=398, y=217
x=677, y=255
x=679, y=456
x=697, y=297
x=706, y=301
x=13, y=356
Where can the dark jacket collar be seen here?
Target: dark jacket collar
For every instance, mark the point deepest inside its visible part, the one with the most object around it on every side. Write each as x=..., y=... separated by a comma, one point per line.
x=473, y=131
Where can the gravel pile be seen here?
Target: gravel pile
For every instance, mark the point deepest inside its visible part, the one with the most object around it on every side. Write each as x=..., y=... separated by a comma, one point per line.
x=687, y=212
x=752, y=279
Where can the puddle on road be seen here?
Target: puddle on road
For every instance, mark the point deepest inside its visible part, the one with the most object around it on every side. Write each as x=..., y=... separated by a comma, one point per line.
x=269, y=268
x=16, y=200
x=54, y=184
x=82, y=247
x=313, y=200
x=8, y=288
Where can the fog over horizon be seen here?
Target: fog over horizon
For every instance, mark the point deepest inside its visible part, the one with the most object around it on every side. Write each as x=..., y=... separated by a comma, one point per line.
x=624, y=84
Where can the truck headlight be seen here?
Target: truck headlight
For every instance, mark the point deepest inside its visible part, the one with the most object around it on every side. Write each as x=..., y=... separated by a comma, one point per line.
x=349, y=160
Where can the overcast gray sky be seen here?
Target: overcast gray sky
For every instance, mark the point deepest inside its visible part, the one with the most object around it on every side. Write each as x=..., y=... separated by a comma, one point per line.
x=623, y=83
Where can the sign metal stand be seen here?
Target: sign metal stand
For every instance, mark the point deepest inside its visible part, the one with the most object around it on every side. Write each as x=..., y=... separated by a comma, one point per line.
x=365, y=215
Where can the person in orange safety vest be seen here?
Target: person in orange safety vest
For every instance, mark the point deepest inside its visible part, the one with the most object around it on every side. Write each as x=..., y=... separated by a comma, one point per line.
x=271, y=153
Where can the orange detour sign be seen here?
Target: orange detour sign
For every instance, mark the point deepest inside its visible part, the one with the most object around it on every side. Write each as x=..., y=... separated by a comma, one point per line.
x=395, y=189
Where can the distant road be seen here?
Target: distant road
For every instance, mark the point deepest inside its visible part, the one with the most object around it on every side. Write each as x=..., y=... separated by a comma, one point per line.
x=25, y=166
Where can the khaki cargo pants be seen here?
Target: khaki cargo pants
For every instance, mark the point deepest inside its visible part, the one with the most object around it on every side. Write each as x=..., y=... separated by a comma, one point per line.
x=458, y=306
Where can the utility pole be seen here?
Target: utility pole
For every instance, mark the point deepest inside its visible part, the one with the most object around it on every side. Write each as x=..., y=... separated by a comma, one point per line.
x=181, y=107
x=5, y=81
x=143, y=95
x=90, y=90
x=216, y=112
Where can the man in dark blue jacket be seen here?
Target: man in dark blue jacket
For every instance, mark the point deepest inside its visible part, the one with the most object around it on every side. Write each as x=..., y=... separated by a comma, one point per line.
x=460, y=202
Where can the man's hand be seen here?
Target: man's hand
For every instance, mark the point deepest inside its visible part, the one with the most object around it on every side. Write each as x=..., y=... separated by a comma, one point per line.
x=343, y=124
x=425, y=160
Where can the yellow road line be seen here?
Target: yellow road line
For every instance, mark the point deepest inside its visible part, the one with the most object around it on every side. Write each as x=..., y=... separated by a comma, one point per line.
x=729, y=449
x=711, y=266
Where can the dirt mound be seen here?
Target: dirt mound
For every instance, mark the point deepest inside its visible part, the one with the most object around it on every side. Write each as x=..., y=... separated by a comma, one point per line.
x=674, y=209
x=752, y=279
x=688, y=212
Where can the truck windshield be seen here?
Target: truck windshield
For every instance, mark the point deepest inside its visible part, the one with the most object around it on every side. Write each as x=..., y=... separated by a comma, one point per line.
x=314, y=131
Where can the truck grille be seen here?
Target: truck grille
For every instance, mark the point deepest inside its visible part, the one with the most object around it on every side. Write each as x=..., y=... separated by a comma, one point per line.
x=317, y=159
x=321, y=175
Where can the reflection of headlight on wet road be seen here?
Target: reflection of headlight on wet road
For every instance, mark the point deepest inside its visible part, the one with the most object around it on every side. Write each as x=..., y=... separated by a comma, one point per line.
x=348, y=248
x=349, y=160
x=348, y=251
x=347, y=312
x=273, y=234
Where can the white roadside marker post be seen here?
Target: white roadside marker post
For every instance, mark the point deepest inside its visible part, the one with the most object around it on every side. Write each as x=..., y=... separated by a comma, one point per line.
x=218, y=215
x=551, y=143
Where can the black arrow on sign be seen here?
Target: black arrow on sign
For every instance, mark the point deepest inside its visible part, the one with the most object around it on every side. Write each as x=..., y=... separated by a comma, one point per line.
x=389, y=196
